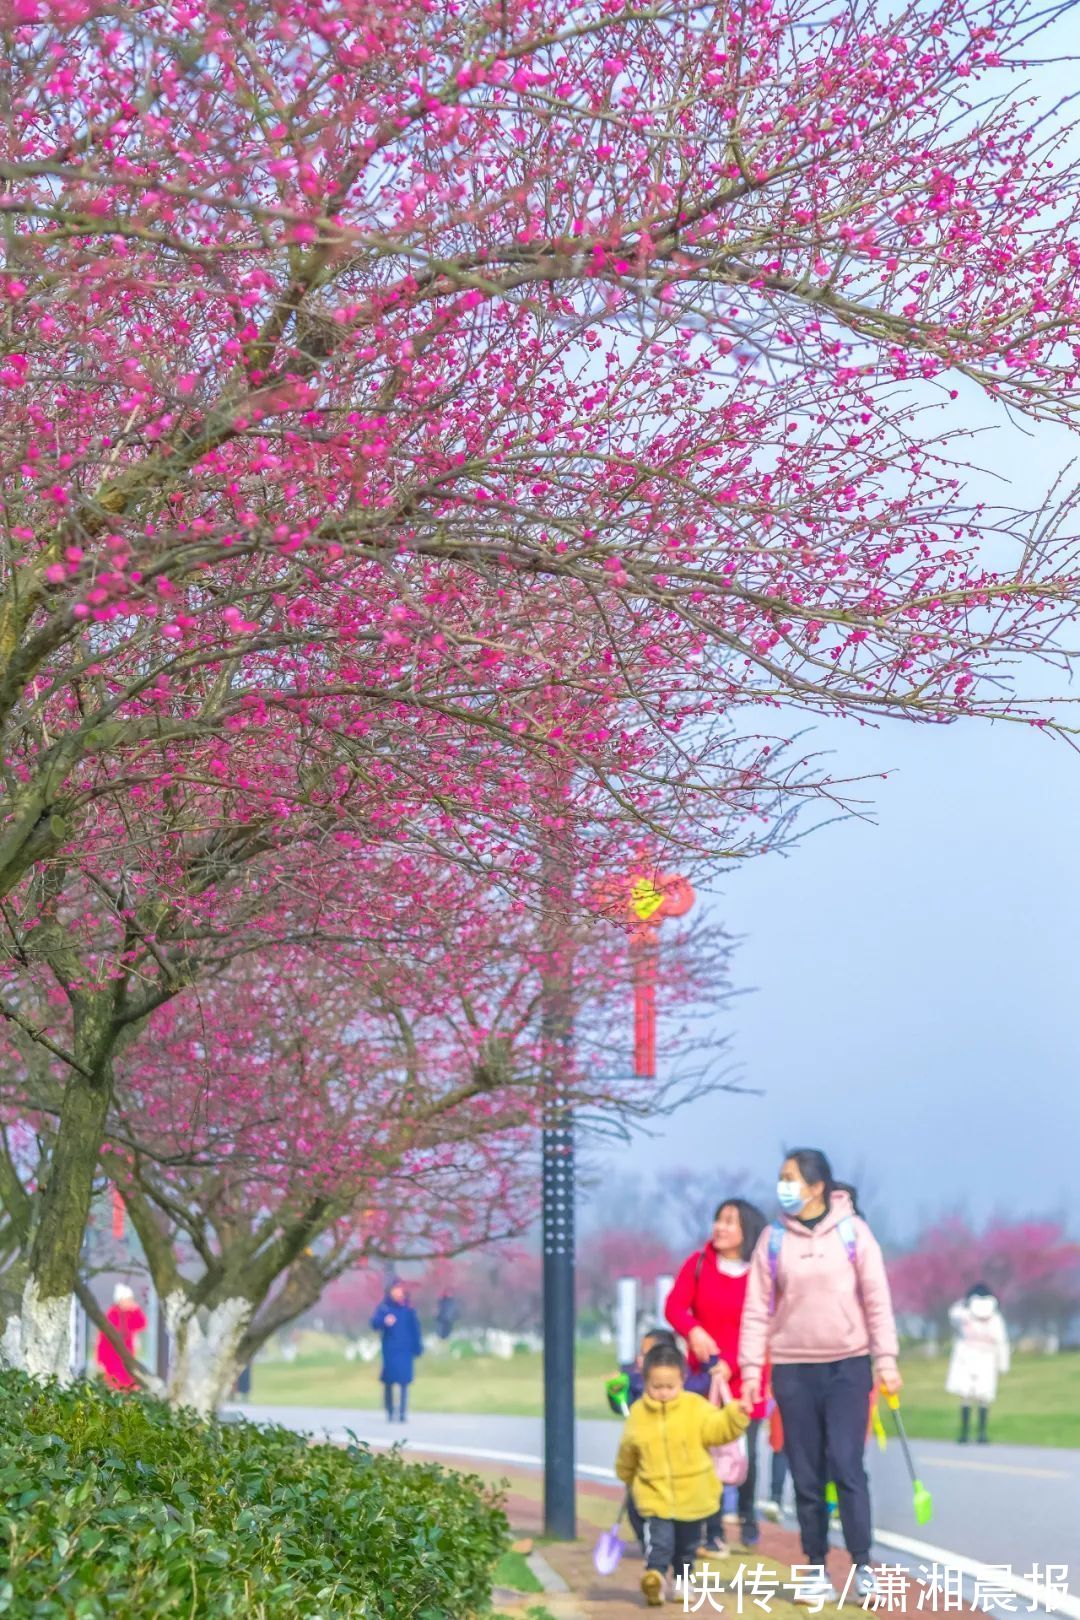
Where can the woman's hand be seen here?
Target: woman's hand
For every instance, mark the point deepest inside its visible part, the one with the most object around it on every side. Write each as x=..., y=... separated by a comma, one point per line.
x=702, y=1344
x=722, y=1370
x=891, y=1382
x=750, y=1390
x=389, y=1319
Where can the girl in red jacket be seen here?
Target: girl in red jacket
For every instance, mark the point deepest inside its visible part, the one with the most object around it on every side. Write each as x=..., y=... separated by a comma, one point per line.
x=706, y=1306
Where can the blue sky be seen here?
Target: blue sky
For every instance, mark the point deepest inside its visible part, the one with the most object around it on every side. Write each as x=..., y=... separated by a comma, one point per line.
x=915, y=986
x=915, y=983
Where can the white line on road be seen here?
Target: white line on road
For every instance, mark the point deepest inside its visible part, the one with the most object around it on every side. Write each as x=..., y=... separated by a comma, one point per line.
x=1065, y=1604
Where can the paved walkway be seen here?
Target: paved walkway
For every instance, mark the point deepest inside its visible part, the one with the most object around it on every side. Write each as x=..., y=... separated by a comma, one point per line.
x=1015, y=1505
x=765, y=1571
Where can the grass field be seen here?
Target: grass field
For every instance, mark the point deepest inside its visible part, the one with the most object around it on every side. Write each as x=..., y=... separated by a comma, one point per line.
x=1038, y=1404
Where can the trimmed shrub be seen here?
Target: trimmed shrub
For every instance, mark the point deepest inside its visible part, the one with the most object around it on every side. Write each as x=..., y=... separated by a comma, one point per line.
x=118, y=1506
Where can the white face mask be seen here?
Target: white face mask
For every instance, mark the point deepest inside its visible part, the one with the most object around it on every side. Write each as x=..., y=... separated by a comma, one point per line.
x=789, y=1195
x=733, y=1268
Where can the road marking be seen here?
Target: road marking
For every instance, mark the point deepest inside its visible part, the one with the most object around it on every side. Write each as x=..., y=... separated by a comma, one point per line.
x=995, y=1468
x=971, y=1567
x=1067, y=1604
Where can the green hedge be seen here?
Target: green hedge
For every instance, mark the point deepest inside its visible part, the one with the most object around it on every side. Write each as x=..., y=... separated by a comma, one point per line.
x=119, y=1506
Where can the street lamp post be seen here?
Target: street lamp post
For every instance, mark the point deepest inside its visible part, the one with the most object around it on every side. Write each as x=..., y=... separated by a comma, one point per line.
x=557, y=1212
x=558, y=1237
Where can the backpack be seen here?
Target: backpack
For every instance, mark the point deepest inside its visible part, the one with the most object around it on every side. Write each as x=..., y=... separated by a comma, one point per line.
x=845, y=1231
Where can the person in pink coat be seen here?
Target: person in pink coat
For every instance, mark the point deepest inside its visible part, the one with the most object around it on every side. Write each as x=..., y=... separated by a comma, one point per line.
x=818, y=1309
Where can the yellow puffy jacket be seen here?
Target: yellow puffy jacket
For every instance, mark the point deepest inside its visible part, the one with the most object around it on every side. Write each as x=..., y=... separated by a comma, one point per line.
x=664, y=1454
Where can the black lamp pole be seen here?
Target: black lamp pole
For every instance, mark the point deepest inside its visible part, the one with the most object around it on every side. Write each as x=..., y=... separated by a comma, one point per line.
x=558, y=1236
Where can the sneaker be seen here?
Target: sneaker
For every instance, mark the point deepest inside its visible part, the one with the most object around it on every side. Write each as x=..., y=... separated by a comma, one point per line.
x=865, y=1582
x=814, y=1589
x=713, y=1548
x=750, y=1535
x=652, y=1588
x=773, y=1512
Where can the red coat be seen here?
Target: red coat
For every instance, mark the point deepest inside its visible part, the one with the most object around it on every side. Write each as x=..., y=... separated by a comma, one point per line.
x=128, y=1320
x=715, y=1302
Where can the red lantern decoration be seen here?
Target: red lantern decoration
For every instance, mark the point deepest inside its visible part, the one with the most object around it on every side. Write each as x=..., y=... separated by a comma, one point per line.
x=644, y=900
x=118, y=1213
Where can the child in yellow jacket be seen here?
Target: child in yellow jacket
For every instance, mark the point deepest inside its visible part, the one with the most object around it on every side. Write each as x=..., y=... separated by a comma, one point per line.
x=664, y=1459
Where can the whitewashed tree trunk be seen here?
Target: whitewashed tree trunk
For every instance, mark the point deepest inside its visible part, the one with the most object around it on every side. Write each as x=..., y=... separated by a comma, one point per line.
x=204, y=1364
x=38, y=1340
x=11, y=1343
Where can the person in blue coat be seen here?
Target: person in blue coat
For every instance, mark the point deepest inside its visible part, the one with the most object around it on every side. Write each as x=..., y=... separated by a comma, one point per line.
x=399, y=1325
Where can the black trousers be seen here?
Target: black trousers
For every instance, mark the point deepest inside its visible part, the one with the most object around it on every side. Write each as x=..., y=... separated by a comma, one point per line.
x=748, y=1488
x=825, y=1407
x=637, y=1523
x=672, y=1543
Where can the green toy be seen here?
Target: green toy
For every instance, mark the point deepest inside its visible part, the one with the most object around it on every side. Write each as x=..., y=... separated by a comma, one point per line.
x=923, y=1501
x=617, y=1390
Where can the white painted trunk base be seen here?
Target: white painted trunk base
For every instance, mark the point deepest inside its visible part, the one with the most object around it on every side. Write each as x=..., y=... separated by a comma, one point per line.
x=203, y=1360
x=38, y=1340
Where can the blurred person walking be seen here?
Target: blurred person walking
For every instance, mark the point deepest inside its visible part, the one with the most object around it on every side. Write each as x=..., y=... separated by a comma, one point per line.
x=397, y=1322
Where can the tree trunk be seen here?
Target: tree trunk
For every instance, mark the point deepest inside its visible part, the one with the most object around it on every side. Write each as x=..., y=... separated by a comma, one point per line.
x=40, y=1340
x=64, y=1203
x=204, y=1364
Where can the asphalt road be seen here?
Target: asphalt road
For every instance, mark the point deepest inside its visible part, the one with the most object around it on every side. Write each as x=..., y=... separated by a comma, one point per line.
x=996, y=1505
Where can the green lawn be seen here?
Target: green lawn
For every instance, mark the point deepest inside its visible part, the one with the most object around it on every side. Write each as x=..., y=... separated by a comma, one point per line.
x=513, y=1572
x=1039, y=1401
x=320, y=1376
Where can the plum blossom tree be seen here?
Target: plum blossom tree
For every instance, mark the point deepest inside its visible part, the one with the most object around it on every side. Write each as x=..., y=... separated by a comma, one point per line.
x=500, y=1287
x=1032, y=1265
x=936, y=1271
x=399, y=401
x=316, y=1108
x=629, y=1249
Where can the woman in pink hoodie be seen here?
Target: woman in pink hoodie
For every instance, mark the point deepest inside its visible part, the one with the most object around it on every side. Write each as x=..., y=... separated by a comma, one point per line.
x=818, y=1309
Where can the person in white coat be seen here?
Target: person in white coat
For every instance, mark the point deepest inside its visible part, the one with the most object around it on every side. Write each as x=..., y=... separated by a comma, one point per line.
x=980, y=1352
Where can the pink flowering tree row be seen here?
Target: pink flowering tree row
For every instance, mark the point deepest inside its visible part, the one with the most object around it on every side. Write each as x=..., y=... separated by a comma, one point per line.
x=443, y=437
x=328, y=1103
x=1033, y=1266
